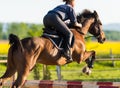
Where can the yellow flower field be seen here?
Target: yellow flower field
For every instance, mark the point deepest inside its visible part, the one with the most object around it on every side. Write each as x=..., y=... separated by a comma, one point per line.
x=101, y=49
x=107, y=48
x=4, y=46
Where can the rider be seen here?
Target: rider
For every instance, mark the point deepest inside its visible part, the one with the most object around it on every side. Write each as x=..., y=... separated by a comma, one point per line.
x=56, y=19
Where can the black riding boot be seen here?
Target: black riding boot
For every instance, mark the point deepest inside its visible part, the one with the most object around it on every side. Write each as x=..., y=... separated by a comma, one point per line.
x=67, y=53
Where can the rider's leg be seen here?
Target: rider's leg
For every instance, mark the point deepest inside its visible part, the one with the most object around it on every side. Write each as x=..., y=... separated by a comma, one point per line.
x=67, y=52
x=62, y=28
x=53, y=20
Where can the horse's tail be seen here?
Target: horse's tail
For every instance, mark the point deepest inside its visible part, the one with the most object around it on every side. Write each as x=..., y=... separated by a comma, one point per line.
x=15, y=42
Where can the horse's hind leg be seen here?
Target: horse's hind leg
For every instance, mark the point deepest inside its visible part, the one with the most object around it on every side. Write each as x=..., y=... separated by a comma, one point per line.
x=10, y=71
x=23, y=72
x=20, y=79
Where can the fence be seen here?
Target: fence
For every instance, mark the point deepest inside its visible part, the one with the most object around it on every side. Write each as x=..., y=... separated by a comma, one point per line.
x=66, y=84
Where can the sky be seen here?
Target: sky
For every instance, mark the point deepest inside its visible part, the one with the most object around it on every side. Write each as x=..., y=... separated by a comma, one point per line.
x=33, y=11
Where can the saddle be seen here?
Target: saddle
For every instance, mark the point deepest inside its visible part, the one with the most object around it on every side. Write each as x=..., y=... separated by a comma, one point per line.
x=55, y=38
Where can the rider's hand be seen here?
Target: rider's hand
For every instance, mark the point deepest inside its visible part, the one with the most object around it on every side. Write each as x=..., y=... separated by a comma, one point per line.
x=78, y=25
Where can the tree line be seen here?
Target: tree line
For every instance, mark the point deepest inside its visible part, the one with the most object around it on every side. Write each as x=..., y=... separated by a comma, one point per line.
x=21, y=29
x=28, y=29
x=112, y=35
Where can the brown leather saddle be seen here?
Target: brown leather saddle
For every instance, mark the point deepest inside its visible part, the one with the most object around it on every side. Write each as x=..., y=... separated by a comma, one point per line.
x=55, y=38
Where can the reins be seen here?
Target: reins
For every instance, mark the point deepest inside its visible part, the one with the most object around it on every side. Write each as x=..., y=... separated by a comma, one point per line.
x=89, y=36
x=80, y=31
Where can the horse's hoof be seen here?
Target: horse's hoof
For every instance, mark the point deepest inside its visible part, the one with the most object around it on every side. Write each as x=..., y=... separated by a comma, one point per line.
x=89, y=72
x=86, y=70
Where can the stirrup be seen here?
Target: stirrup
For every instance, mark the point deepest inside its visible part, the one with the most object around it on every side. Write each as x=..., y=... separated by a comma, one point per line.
x=68, y=57
x=69, y=60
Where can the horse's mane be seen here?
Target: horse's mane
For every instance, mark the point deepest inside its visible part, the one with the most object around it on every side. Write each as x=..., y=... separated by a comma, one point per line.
x=85, y=14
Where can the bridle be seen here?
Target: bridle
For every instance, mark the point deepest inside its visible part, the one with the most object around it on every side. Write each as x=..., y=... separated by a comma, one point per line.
x=94, y=29
x=96, y=23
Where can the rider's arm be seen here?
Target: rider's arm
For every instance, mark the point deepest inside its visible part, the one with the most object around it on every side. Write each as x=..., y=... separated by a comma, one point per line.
x=73, y=19
x=79, y=25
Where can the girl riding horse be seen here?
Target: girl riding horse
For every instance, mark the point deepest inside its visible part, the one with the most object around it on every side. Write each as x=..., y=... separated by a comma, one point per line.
x=55, y=20
x=24, y=54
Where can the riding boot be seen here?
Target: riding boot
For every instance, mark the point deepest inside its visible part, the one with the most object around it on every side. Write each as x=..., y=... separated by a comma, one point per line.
x=67, y=53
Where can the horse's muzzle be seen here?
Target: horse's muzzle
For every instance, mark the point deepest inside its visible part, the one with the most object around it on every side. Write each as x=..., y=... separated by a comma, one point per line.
x=101, y=40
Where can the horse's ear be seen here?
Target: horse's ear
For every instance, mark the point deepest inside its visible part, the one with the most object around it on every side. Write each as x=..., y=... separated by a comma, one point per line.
x=95, y=13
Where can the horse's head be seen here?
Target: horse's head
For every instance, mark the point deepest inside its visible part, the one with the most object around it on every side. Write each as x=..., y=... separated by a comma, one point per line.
x=96, y=27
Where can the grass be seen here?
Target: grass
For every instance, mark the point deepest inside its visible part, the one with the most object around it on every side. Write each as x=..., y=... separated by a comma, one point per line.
x=103, y=71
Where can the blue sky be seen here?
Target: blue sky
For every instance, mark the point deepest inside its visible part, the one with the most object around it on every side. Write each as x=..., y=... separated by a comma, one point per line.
x=33, y=11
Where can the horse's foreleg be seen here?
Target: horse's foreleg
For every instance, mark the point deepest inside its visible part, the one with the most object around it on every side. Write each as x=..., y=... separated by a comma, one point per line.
x=90, y=58
x=89, y=61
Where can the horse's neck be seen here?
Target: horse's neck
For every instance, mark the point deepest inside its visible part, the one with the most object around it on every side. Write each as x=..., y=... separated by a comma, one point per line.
x=87, y=25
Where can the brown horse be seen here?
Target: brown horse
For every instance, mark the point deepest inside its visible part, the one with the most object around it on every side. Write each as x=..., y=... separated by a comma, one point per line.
x=23, y=54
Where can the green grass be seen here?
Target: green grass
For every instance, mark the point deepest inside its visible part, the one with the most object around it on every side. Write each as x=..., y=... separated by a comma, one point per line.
x=103, y=71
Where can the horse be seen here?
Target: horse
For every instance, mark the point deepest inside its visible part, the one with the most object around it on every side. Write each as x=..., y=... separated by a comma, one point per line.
x=25, y=53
